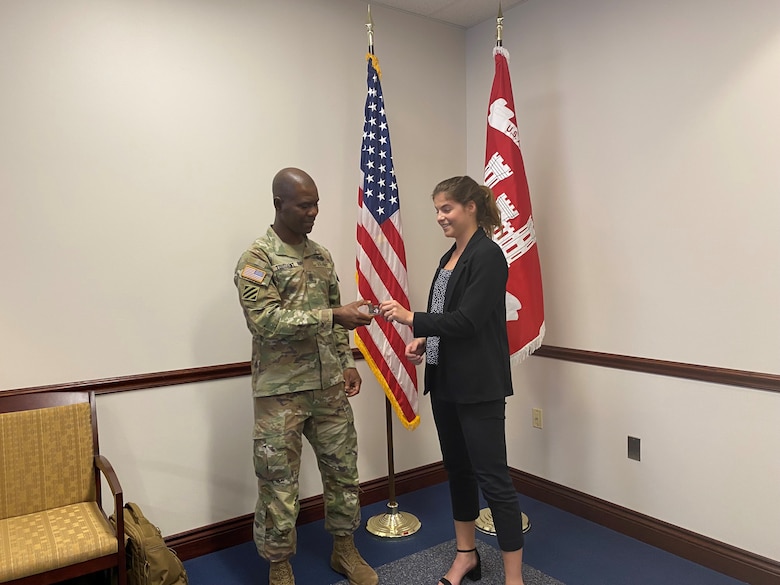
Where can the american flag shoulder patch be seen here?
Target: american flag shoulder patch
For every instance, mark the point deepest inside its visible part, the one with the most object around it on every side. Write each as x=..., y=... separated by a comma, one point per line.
x=253, y=273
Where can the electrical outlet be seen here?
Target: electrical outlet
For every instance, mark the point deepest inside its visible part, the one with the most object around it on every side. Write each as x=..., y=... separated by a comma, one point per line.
x=634, y=451
x=537, y=417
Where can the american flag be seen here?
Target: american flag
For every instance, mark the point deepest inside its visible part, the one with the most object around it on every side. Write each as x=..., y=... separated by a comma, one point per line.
x=381, y=258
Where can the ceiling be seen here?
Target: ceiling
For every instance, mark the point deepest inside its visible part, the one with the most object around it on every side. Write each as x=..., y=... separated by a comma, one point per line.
x=463, y=13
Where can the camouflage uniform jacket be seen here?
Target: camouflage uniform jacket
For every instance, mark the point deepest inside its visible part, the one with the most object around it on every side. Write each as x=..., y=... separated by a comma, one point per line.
x=287, y=300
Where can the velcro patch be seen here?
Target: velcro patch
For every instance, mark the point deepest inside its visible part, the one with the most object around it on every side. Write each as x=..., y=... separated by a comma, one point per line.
x=254, y=274
x=250, y=292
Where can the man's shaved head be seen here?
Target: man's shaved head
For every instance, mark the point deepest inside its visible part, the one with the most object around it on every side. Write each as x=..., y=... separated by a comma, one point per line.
x=296, y=202
x=289, y=181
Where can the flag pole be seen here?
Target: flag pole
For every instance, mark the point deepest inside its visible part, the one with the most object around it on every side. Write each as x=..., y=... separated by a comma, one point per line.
x=393, y=523
x=370, y=31
x=484, y=522
x=500, y=27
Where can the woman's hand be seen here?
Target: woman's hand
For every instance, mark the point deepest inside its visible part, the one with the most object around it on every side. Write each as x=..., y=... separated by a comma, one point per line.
x=394, y=312
x=416, y=350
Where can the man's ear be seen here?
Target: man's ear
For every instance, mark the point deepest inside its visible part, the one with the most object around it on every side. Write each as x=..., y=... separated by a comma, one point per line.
x=277, y=203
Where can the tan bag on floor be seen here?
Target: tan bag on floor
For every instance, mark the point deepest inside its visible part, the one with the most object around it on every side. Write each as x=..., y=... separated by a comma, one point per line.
x=149, y=560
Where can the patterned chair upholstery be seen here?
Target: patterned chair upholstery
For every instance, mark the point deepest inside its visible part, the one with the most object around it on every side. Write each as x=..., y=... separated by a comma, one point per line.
x=52, y=525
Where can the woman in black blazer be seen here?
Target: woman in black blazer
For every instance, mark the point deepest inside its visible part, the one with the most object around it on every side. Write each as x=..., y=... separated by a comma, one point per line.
x=463, y=339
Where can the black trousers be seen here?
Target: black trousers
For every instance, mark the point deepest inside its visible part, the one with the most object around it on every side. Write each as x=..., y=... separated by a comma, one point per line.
x=473, y=446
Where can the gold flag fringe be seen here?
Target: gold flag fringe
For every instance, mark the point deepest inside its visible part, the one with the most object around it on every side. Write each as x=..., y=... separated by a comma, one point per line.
x=412, y=424
x=375, y=61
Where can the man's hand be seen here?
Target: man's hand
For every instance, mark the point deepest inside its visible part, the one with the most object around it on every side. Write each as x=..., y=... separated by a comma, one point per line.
x=350, y=316
x=352, y=382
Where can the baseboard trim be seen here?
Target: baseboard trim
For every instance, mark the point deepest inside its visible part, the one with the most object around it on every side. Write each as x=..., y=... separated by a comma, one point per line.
x=227, y=533
x=716, y=555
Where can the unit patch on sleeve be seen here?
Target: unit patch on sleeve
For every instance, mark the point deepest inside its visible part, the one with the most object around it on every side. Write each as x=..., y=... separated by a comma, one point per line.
x=250, y=292
x=254, y=274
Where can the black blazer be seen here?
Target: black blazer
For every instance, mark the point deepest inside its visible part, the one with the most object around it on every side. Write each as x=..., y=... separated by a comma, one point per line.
x=474, y=349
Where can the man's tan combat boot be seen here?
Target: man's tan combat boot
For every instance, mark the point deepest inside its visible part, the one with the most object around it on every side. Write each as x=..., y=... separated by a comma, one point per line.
x=281, y=574
x=347, y=560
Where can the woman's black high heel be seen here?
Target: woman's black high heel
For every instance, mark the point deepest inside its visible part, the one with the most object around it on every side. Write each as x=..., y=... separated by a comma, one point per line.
x=474, y=574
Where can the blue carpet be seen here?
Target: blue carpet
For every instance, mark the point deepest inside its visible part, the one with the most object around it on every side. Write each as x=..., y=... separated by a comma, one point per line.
x=560, y=545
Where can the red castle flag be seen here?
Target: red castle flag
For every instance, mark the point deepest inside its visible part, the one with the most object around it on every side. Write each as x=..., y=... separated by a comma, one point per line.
x=381, y=258
x=505, y=174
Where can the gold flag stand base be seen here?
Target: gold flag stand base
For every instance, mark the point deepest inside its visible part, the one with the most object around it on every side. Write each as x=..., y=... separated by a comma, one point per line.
x=484, y=522
x=393, y=524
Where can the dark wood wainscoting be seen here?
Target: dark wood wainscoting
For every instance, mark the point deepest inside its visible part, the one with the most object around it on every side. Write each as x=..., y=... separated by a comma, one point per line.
x=723, y=376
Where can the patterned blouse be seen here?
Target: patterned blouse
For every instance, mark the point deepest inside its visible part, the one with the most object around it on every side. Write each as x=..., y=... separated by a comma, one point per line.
x=437, y=306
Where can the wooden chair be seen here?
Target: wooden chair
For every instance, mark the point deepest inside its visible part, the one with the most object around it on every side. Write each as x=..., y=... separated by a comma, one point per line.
x=52, y=524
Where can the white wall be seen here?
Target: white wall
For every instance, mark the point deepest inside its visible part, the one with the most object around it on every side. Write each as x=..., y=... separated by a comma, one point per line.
x=139, y=139
x=137, y=148
x=650, y=138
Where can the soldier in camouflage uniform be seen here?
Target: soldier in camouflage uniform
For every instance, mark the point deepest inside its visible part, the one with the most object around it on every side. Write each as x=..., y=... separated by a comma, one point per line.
x=302, y=375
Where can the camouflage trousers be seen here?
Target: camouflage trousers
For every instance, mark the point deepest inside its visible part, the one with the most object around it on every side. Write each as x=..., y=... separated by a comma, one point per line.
x=325, y=418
